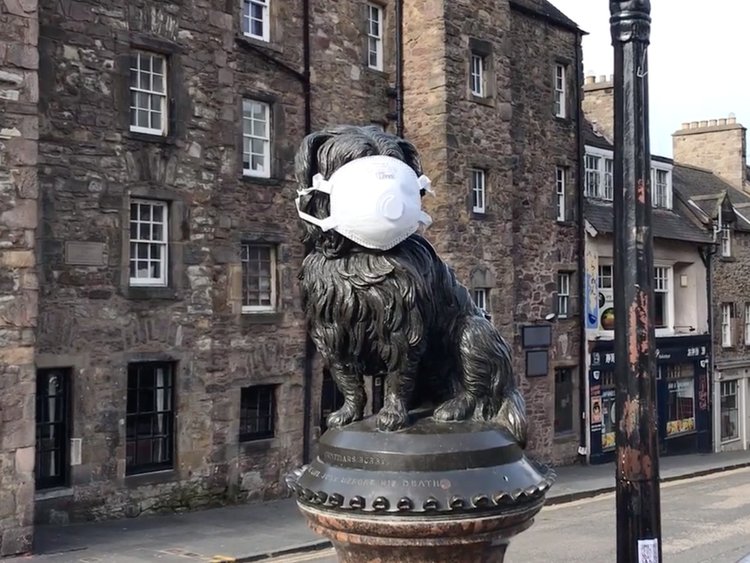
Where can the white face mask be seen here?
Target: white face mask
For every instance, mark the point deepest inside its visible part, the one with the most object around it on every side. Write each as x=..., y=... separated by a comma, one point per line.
x=374, y=201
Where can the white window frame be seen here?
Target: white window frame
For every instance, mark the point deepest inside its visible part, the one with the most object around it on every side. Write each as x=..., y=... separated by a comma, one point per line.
x=149, y=91
x=560, y=91
x=747, y=324
x=477, y=75
x=162, y=280
x=247, y=18
x=480, y=296
x=563, y=295
x=248, y=138
x=659, y=198
x=665, y=284
x=560, y=185
x=478, y=179
x=724, y=386
x=273, y=278
x=726, y=325
x=599, y=174
x=374, y=36
x=725, y=237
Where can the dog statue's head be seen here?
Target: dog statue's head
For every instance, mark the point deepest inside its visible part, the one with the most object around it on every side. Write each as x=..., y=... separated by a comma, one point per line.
x=324, y=152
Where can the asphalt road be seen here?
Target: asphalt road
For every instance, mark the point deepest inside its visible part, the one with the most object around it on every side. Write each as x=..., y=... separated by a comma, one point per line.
x=706, y=519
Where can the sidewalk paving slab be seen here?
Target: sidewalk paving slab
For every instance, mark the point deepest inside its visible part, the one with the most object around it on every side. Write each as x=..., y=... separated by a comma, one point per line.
x=254, y=532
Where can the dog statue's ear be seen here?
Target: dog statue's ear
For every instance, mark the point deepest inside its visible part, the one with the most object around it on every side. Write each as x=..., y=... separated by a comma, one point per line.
x=411, y=157
x=306, y=160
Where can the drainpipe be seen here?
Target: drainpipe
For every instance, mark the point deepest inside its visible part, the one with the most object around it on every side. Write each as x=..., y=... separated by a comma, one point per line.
x=707, y=254
x=309, y=346
x=400, y=68
x=583, y=346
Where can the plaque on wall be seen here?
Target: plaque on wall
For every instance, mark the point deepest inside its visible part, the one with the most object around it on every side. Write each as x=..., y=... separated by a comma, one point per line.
x=536, y=363
x=537, y=336
x=79, y=253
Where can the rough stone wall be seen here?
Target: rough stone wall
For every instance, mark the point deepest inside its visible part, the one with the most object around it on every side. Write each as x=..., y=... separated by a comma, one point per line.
x=731, y=284
x=90, y=165
x=599, y=106
x=542, y=246
x=19, y=126
x=718, y=145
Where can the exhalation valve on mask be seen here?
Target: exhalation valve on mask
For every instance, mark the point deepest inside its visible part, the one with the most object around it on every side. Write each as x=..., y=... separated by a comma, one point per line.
x=375, y=201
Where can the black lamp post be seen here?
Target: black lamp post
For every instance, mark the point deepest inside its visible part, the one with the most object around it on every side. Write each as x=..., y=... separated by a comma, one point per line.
x=638, y=504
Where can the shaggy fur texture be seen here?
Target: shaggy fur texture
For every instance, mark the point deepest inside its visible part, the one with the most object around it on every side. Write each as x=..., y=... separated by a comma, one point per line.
x=399, y=312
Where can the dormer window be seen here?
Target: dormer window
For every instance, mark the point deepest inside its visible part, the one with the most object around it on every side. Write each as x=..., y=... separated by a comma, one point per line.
x=599, y=174
x=725, y=237
x=661, y=188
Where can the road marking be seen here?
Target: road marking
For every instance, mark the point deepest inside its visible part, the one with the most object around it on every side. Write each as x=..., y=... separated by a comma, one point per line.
x=313, y=555
x=222, y=559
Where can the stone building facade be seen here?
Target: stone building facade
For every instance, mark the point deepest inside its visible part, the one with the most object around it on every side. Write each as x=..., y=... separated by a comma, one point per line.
x=19, y=126
x=172, y=368
x=713, y=173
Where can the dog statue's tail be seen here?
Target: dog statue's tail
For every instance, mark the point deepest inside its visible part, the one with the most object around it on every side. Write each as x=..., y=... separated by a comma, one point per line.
x=512, y=414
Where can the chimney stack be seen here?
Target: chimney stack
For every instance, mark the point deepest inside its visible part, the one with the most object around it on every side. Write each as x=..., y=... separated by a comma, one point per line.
x=598, y=104
x=718, y=145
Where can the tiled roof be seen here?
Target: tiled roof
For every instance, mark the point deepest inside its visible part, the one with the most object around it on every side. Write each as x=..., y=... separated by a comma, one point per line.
x=666, y=224
x=547, y=10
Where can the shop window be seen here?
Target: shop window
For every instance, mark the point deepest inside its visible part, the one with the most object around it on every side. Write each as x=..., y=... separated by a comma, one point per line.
x=563, y=400
x=257, y=412
x=680, y=399
x=729, y=412
x=52, y=427
x=150, y=417
x=607, y=409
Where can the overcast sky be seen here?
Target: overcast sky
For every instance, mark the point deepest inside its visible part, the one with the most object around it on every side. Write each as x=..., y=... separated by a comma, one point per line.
x=698, y=63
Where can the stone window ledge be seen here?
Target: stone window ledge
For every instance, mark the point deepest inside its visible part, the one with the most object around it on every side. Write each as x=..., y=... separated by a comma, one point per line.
x=259, y=446
x=49, y=494
x=146, y=138
x=148, y=293
x=153, y=478
x=253, y=43
x=488, y=101
x=486, y=216
x=261, y=181
x=261, y=318
x=727, y=259
x=565, y=437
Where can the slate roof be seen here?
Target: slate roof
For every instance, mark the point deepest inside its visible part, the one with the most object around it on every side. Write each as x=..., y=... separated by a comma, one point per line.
x=665, y=224
x=546, y=10
x=707, y=191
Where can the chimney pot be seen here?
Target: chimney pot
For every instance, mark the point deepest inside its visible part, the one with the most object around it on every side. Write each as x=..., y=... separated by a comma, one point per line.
x=590, y=79
x=602, y=78
x=702, y=123
x=723, y=121
x=732, y=120
x=685, y=125
x=693, y=125
x=712, y=123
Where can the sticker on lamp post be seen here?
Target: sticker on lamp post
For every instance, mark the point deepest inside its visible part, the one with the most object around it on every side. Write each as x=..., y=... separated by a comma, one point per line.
x=648, y=551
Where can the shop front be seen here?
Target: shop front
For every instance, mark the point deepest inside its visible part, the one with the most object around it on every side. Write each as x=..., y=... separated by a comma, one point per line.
x=732, y=396
x=682, y=397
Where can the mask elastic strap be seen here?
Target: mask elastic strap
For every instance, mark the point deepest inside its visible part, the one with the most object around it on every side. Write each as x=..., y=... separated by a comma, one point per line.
x=320, y=184
x=425, y=184
x=425, y=219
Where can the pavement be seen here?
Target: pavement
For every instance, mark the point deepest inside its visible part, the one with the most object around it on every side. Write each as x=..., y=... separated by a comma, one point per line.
x=268, y=530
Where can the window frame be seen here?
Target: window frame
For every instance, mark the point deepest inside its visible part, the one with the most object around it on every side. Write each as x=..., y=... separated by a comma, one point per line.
x=270, y=417
x=725, y=234
x=163, y=280
x=273, y=255
x=478, y=74
x=247, y=116
x=603, y=173
x=726, y=325
x=571, y=415
x=561, y=174
x=563, y=297
x=164, y=96
x=561, y=92
x=481, y=294
x=747, y=323
x=377, y=39
x=247, y=19
x=169, y=436
x=661, y=200
x=730, y=383
x=63, y=422
x=667, y=289
x=478, y=184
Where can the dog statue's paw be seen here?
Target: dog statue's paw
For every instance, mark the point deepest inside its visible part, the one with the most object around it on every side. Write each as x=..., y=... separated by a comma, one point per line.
x=458, y=408
x=392, y=417
x=346, y=414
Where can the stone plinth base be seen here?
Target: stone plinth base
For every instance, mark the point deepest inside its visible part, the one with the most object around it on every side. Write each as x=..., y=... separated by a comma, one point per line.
x=423, y=540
